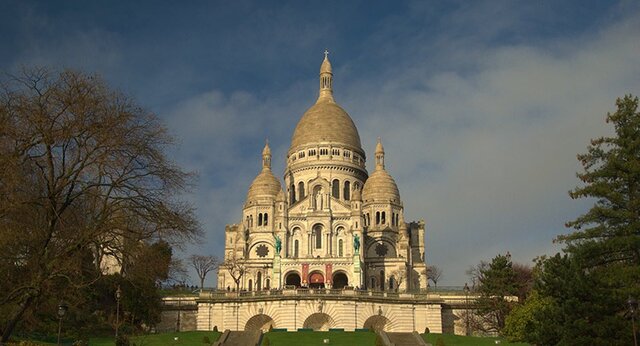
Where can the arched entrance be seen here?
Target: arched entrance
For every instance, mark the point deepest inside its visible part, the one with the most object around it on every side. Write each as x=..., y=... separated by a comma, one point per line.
x=292, y=279
x=316, y=280
x=376, y=323
x=340, y=280
x=319, y=321
x=259, y=322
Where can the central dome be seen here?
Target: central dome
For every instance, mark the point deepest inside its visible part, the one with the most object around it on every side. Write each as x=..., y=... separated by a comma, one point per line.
x=326, y=121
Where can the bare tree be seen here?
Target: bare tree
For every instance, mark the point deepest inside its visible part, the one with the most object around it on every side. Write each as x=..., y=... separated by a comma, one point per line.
x=236, y=268
x=434, y=273
x=400, y=276
x=475, y=273
x=84, y=176
x=203, y=265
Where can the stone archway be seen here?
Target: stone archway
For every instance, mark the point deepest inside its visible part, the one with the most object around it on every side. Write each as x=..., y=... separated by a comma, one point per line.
x=292, y=279
x=319, y=321
x=316, y=280
x=259, y=322
x=340, y=280
x=376, y=323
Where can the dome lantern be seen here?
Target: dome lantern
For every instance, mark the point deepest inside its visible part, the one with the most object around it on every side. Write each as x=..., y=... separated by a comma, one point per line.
x=326, y=78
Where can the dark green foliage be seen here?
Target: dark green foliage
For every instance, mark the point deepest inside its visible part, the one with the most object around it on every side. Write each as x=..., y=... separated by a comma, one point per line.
x=440, y=342
x=123, y=340
x=498, y=285
x=215, y=329
x=426, y=330
x=206, y=340
x=266, y=342
x=584, y=291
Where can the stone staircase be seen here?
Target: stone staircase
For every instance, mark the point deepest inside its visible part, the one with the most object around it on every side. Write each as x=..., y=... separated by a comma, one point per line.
x=239, y=338
x=404, y=339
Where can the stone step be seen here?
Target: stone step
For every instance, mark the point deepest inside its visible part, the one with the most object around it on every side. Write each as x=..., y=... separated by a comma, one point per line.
x=242, y=338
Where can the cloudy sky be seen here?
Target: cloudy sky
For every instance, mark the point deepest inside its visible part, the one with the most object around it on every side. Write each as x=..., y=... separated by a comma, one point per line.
x=482, y=105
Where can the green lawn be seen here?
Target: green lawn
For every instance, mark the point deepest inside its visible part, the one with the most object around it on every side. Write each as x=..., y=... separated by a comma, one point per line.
x=316, y=338
x=167, y=339
x=297, y=338
x=460, y=340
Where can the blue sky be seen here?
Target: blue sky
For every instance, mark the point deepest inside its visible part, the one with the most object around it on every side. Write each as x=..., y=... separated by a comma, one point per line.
x=482, y=106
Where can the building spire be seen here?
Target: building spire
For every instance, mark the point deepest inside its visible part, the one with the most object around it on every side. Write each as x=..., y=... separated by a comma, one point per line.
x=266, y=156
x=326, y=79
x=379, y=155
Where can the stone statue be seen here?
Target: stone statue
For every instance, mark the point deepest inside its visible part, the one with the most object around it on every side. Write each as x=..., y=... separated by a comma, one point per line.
x=356, y=242
x=278, y=243
x=319, y=200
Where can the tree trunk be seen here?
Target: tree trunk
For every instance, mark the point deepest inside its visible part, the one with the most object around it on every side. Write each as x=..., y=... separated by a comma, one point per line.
x=14, y=321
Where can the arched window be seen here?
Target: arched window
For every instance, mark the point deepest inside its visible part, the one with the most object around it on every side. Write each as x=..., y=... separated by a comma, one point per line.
x=397, y=220
x=373, y=282
x=317, y=233
x=250, y=285
x=300, y=191
x=393, y=219
x=292, y=193
x=392, y=282
x=248, y=221
x=340, y=254
x=295, y=249
x=335, y=188
x=267, y=284
x=259, y=282
x=260, y=219
x=347, y=191
x=382, y=279
x=383, y=219
x=266, y=219
x=377, y=217
x=251, y=221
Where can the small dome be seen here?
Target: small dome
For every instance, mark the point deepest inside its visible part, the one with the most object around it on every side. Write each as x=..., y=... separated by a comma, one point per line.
x=380, y=187
x=264, y=185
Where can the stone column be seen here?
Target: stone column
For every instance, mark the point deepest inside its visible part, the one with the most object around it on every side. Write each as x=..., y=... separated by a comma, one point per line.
x=277, y=273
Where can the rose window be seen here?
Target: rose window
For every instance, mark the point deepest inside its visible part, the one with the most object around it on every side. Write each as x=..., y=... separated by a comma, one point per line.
x=262, y=251
x=381, y=250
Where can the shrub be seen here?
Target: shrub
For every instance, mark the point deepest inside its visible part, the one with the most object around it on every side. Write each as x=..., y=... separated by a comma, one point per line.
x=426, y=330
x=123, y=340
x=206, y=340
x=215, y=329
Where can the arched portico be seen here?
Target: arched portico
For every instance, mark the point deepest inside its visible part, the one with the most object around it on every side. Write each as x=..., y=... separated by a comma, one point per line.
x=316, y=279
x=340, y=280
x=319, y=321
x=292, y=278
x=260, y=322
x=376, y=323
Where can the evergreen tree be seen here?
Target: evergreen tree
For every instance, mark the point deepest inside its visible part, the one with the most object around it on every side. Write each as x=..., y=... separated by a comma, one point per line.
x=608, y=235
x=498, y=288
x=585, y=290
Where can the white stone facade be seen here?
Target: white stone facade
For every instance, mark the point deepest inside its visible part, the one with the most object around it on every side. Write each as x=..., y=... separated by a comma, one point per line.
x=326, y=247
x=327, y=202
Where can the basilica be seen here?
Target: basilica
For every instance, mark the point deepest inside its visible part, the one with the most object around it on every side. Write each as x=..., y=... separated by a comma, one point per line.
x=328, y=223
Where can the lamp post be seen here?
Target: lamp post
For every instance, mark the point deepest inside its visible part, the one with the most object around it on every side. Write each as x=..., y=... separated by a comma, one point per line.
x=633, y=308
x=118, y=297
x=62, y=310
x=466, y=306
